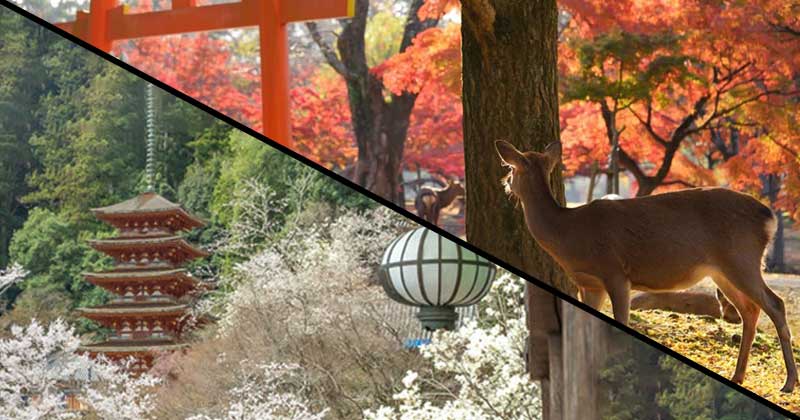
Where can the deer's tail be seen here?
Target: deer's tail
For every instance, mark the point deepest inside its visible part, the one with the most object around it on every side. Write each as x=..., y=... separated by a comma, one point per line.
x=770, y=223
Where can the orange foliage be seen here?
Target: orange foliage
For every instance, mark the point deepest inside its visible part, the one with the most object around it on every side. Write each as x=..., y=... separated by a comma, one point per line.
x=203, y=68
x=734, y=56
x=323, y=130
x=321, y=124
x=429, y=59
x=434, y=9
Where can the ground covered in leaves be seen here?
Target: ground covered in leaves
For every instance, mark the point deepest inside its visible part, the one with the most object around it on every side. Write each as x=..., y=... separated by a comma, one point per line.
x=715, y=344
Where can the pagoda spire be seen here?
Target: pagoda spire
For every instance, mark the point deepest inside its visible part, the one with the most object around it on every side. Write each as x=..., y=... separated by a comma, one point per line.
x=150, y=117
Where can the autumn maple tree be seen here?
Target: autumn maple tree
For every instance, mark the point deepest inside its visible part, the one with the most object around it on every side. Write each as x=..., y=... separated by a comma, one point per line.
x=677, y=86
x=706, y=102
x=413, y=119
x=380, y=119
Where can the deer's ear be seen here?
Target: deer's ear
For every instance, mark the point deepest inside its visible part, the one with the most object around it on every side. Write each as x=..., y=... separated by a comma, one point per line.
x=508, y=153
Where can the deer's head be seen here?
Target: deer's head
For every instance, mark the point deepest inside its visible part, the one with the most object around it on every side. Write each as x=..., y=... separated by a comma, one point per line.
x=456, y=186
x=525, y=166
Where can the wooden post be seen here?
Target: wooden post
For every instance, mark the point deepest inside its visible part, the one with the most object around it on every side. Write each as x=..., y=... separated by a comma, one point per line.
x=587, y=339
x=544, y=387
x=556, y=397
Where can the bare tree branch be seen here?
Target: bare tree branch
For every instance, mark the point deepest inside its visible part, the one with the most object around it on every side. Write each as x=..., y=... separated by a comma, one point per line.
x=326, y=49
x=648, y=125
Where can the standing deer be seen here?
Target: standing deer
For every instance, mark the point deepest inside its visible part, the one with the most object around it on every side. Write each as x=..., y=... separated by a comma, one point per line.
x=664, y=242
x=430, y=201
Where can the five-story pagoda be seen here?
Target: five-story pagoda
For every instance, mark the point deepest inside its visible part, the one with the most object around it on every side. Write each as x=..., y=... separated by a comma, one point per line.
x=152, y=292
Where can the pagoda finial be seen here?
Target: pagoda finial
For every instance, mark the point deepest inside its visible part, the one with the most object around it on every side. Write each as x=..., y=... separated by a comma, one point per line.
x=151, y=138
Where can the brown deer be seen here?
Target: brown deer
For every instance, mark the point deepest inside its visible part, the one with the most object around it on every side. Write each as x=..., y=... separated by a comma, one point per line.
x=430, y=201
x=664, y=242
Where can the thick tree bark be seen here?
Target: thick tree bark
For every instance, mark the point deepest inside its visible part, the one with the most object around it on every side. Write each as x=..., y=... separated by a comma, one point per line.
x=380, y=126
x=510, y=93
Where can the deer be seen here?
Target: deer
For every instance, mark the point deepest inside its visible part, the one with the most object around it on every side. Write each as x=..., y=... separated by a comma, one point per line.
x=430, y=201
x=660, y=243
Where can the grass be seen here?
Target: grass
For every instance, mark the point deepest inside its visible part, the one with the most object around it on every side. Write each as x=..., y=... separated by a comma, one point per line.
x=714, y=344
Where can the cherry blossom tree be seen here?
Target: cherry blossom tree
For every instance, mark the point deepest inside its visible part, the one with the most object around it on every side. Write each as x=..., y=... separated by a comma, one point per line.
x=268, y=390
x=476, y=372
x=302, y=294
x=39, y=364
x=11, y=276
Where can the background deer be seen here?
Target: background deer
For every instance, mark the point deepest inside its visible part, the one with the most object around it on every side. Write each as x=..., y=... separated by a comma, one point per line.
x=665, y=242
x=430, y=201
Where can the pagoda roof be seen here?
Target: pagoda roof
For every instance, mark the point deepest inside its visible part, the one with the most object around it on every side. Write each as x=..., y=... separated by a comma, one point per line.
x=135, y=308
x=140, y=275
x=133, y=346
x=179, y=277
x=131, y=243
x=148, y=203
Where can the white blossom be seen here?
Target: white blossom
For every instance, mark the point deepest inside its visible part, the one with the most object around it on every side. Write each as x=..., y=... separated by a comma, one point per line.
x=271, y=391
x=11, y=276
x=114, y=394
x=302, y=274
x=477, y=371
x=38, y=365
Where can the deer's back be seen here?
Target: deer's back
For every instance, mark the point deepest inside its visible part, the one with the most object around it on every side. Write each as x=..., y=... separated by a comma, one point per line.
x=669, y=237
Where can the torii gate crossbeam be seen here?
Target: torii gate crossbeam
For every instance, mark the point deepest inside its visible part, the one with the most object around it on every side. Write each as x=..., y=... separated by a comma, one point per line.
x=108, y=21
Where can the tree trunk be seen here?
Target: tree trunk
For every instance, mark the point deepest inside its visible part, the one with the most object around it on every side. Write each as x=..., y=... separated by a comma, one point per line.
x=510, y=92
x=777, y=262
x=379, y=126
x=775, y=258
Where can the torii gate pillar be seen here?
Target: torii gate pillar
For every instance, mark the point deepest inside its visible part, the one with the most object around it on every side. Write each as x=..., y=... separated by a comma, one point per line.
x=274, y=43
x=98, y=23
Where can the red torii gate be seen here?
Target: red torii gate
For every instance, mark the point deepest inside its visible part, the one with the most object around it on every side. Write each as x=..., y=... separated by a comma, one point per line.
x=107, y=21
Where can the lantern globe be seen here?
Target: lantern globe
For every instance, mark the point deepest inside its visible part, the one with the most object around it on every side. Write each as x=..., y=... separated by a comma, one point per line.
x=421, y=268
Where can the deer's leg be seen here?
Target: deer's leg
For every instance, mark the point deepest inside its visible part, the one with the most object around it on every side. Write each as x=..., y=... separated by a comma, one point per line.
x=773, y=306
x=619, y=290
x=748, y=312
x=728, y=311
x=752, y=284
x=593, y=297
